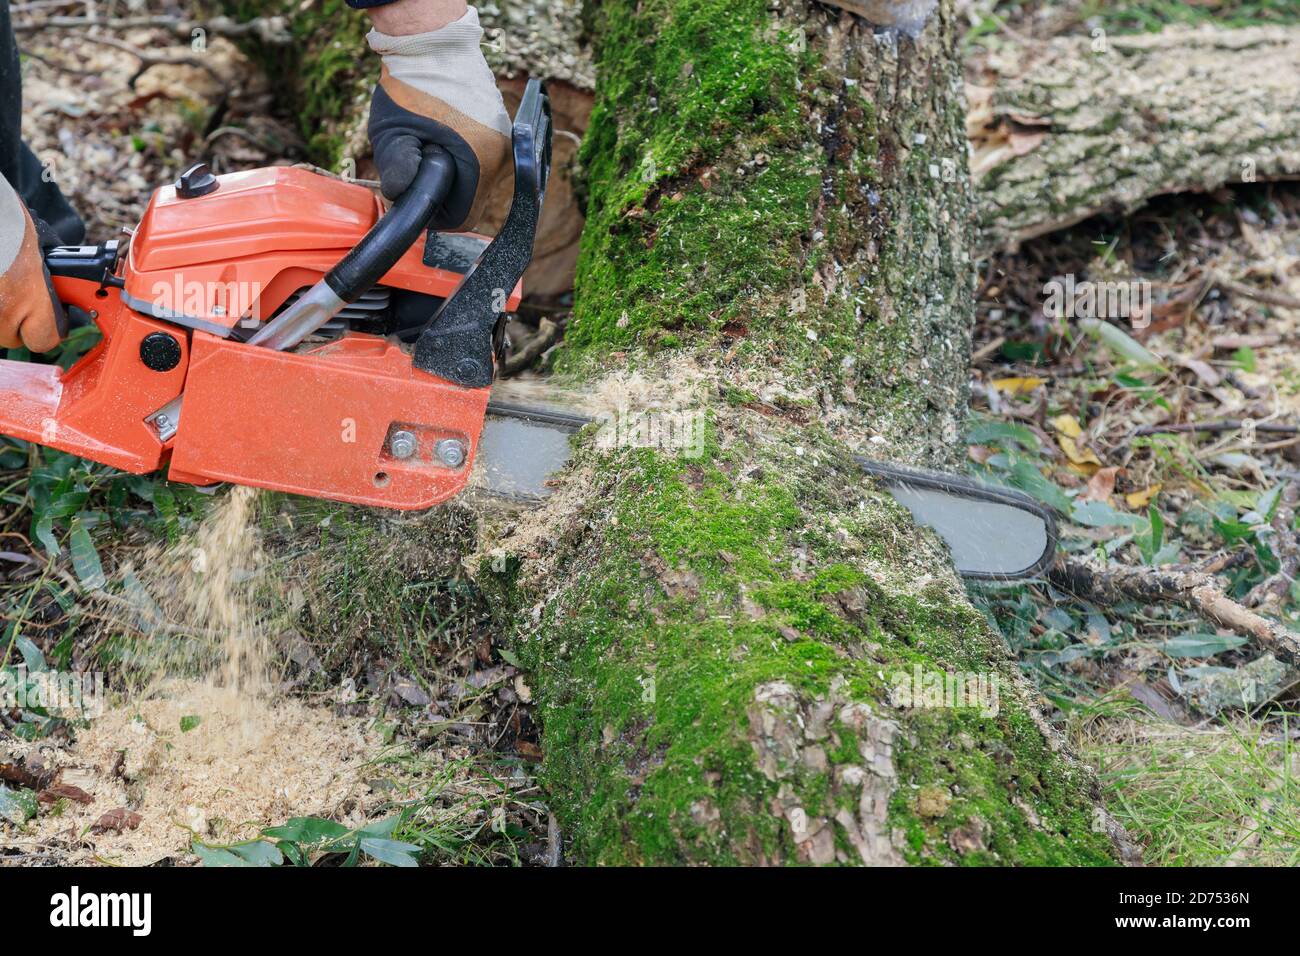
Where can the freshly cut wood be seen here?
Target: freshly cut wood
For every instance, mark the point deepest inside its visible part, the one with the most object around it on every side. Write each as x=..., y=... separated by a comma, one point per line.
x=1074, y=126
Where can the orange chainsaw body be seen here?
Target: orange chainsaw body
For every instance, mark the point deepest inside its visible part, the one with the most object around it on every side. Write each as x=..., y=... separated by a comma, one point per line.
x=314, y=421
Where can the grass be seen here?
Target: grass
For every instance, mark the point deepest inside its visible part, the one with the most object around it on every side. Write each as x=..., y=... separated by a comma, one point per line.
x=1210, y=795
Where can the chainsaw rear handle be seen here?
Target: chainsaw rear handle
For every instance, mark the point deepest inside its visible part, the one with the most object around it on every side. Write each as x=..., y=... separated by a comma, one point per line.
x=396, y=231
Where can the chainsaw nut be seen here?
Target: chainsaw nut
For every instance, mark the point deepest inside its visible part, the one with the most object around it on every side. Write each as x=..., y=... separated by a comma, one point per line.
x=403, y=445
x=451, y=452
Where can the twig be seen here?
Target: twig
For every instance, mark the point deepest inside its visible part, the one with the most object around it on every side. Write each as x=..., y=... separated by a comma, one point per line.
x=240, y=133
x=40, y=5
x=56, y=65
x=1280, y=299
x=985, y=351
x=1191, y=589
x=547, y=333
x=148, y=60
x=1229, y=425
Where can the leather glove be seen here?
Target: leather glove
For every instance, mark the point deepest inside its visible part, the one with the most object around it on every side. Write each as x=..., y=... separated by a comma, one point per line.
x=28, y=313
x=437, y=88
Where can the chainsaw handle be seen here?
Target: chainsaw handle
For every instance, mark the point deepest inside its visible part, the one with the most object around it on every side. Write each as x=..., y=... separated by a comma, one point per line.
x=396, y=231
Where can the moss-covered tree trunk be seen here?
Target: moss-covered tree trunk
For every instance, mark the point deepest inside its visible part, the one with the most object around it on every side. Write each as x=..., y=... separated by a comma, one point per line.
x=779, y=219
x=779, y=226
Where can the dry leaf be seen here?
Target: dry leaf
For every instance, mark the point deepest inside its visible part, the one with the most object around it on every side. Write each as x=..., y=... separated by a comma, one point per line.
x=1077, y=455
x=119, y=821
x=1203, y=371
x=1017, y=386
x=1140, y=499
x=65, y=791
x=1101, y=485
x=1066, y=425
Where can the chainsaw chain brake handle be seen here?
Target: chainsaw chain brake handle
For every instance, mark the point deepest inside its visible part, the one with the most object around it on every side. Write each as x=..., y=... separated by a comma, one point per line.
x=377, y=253
x=457, y=342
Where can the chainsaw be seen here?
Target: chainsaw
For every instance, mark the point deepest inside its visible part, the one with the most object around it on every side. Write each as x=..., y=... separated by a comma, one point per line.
x=278, y=328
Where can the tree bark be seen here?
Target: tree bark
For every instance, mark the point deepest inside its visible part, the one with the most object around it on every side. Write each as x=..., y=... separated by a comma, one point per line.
x=718, y=629
x=1080, y=125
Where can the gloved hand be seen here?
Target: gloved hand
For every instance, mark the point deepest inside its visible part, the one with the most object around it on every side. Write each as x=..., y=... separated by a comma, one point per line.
x=437, y=88
x=27, y=311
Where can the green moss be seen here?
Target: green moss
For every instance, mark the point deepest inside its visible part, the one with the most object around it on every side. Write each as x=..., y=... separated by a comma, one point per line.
x=700, y=180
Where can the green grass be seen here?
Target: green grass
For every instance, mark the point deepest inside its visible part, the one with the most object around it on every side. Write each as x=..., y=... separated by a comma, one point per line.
x=1199, y=796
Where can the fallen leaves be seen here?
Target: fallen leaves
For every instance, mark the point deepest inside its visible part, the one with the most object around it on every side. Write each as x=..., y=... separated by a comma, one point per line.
x=1101, y=485
x=1140, y=499
x=65, y=791
x=1082, y=460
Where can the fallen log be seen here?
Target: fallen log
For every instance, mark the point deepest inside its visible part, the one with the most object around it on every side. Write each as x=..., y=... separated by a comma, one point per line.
x=1079, y=125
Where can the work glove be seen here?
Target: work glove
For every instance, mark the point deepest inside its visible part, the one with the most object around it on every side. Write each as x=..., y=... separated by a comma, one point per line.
x=29, y=314
x=437, y=88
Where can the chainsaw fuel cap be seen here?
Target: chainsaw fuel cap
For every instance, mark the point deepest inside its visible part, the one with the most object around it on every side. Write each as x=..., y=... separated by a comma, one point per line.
x=160, y=352
x=196, y=181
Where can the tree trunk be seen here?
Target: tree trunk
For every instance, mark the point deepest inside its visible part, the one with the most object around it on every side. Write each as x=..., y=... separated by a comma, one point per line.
x=778, y=235
x=779, y=219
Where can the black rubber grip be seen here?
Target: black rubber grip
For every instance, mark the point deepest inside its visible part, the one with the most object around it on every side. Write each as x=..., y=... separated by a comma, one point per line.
x=396, y=231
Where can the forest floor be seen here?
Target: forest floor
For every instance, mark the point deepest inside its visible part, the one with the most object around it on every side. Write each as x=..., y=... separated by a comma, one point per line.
x=1173, y=441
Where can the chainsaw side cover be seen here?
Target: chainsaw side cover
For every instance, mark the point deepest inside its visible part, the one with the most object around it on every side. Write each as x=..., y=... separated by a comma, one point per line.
x=319, y=423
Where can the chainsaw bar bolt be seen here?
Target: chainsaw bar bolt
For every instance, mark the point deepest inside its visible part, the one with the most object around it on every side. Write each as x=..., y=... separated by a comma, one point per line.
x=451, y=452
x=403, y=444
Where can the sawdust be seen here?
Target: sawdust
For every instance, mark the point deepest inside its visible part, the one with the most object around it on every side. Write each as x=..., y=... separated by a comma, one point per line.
x=201, y=609
x=200, y=761
x=205, y=745
x=677, y=388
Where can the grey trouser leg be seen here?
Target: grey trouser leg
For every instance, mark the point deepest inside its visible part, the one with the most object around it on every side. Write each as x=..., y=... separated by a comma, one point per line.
x=17, y=163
